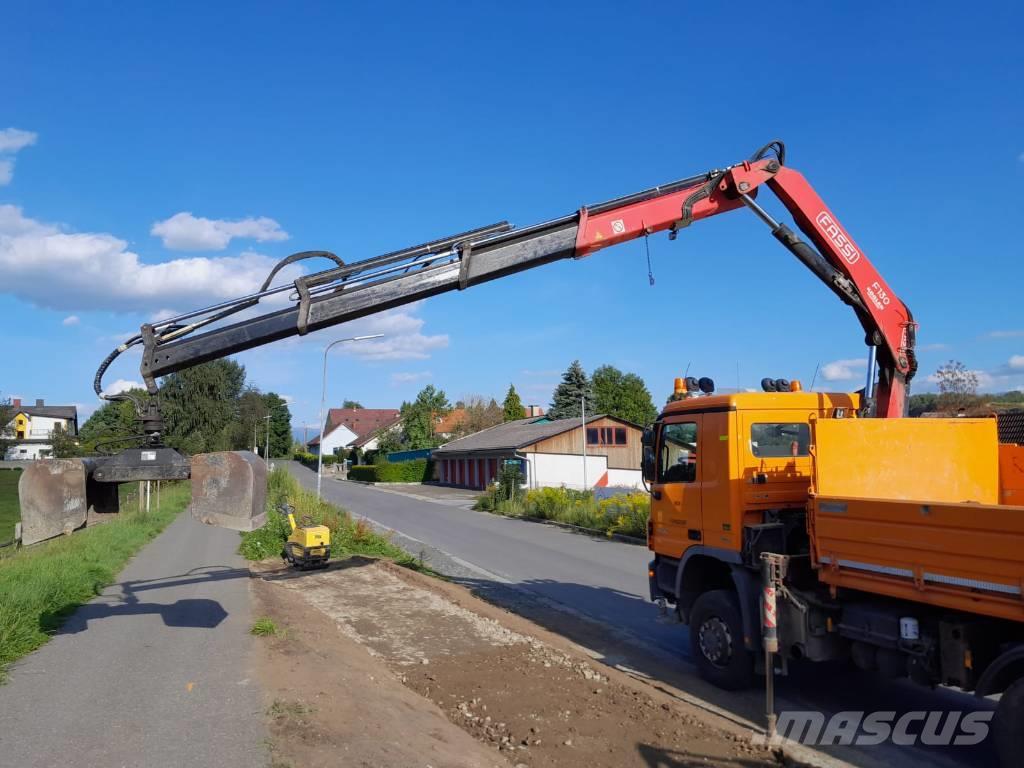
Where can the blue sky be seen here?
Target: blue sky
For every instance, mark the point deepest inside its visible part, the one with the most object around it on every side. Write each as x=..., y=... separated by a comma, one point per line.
x=157, y=158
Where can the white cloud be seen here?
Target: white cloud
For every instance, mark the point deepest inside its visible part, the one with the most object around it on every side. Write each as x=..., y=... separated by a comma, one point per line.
x=121, y=385
x=1016, y=362
x=95, y=271
x=1006, y=334
x=71, y=320
x=844, y=370
x=409, y=377
x=185, y=232
x=14, y=139
x=403, y=337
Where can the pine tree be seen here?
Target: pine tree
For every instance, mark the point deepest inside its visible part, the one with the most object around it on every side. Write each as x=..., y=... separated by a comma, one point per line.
x=513, y=406
x=280, y=424
x=199, y=405
x=575, y=387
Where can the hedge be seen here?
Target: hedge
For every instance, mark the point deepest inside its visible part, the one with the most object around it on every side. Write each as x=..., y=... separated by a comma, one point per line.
x=310, y=459
x=415, y=471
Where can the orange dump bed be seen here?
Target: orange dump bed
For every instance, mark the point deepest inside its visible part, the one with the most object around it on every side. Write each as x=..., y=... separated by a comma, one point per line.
x=918, y=509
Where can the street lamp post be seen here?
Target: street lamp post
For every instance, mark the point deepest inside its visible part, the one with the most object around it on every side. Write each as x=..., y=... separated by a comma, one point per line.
x=323, y=398
x=266, y=448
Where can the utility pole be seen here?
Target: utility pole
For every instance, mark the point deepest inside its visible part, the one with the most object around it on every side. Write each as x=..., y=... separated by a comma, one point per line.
x=267, y=447
x=583, y=418
x=255, y=444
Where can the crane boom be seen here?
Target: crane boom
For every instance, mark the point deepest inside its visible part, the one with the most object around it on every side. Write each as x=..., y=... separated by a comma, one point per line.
x=350, y=291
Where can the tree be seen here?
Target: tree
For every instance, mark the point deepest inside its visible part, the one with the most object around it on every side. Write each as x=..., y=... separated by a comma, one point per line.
x=480, y=414
x=6, y=414
x=623, y=395
x=280, y=424
x=570, y=392
x=112, y=421
x=922, y=403
x=65, y=445
x=351, y=404
x=200, y=403
x=513, y=406
x=958, y=387
x=248, y=428
x=419, y=418
x=389, y=441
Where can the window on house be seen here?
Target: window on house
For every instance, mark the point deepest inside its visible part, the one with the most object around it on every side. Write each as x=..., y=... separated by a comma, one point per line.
x=606, y=436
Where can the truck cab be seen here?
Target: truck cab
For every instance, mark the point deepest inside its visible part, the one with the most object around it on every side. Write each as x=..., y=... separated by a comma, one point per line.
x=729, y=477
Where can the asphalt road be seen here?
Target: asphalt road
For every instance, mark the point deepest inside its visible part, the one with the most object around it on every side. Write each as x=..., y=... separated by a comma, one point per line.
x=607, y=581
x=154, y=672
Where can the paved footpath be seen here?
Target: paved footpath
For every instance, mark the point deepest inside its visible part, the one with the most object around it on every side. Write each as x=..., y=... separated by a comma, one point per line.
x=154, y=672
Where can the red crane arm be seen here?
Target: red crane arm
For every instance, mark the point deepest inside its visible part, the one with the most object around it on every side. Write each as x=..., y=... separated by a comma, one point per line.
x=838, y=261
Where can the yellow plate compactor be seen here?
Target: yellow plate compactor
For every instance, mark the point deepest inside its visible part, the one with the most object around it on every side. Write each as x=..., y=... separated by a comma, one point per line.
x=308, y=545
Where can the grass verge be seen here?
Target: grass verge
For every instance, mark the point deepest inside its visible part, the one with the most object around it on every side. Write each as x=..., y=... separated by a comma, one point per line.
x=625, y=514
x=10, y=512
x=348, y=536
x=264, y=627
x=41, y=585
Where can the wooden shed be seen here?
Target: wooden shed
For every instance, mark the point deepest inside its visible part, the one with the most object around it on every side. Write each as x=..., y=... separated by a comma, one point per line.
x=548, y=452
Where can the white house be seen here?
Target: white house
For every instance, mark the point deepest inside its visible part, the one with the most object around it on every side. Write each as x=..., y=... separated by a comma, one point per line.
x=32, y=427
x=355, y=428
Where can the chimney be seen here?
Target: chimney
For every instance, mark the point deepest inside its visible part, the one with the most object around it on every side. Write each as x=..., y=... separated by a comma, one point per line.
x=16, y=402
x=39, y=402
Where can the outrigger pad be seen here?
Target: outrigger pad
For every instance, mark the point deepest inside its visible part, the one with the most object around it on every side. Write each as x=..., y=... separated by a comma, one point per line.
x=229, y=490
x=60, y=495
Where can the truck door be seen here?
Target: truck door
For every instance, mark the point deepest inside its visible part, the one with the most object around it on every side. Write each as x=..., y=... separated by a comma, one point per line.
x=675, y=493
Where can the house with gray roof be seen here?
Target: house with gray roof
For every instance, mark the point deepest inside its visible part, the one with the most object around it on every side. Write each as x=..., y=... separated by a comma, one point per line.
x=31, y=428
x=561, y=452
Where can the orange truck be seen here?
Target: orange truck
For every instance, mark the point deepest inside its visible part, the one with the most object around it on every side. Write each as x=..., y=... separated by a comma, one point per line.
x=903, y=540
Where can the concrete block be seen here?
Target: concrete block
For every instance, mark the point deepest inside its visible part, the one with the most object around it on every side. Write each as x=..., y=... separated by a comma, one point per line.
x=229, y=490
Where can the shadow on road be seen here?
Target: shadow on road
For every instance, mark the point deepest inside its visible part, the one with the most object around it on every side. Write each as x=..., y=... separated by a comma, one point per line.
x=660, y=757
x=198, y=613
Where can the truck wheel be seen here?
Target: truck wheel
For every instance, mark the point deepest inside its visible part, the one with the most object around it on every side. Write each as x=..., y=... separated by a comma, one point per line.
x=1008, y=725
x=716, y=636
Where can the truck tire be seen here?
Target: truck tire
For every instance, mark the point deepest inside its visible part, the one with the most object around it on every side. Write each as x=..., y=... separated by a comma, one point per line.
x=1008, y=725
x=716, y=638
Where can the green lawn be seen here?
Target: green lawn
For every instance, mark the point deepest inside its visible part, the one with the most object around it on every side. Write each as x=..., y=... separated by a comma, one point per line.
x=9, y=512
x=41, y=585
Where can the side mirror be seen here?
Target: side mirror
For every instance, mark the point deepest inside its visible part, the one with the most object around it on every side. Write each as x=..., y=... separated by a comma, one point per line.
x=648, y=465
x=647, y=462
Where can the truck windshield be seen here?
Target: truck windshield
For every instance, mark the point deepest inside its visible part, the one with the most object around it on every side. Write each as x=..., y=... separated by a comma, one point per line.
x=777, y=440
